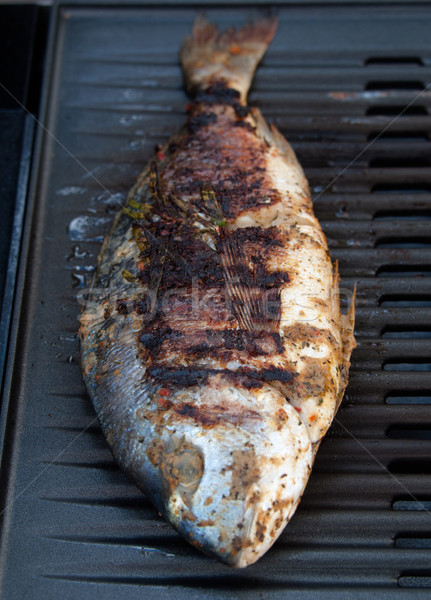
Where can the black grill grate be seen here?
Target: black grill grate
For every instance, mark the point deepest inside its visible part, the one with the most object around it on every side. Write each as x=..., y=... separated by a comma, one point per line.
x=335, y=81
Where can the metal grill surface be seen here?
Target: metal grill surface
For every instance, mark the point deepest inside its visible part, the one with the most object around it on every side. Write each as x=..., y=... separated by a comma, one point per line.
x=348, y=86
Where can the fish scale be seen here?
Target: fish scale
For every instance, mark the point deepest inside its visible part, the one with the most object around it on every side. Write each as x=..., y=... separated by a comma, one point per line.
x=213, y=345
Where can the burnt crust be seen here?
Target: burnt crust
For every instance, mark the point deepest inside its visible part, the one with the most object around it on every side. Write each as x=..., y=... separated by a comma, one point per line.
x=210, y=305
x=220, y=147
x=192, y=376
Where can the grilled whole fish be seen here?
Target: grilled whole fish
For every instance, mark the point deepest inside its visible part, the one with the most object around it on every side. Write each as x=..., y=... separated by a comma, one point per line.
x=213, y=346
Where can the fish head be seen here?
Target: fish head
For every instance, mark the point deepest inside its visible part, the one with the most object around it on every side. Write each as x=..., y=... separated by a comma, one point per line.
x=226, y=465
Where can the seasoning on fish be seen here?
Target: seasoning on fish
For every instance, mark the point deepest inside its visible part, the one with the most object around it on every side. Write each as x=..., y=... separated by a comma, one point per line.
x=213, y=345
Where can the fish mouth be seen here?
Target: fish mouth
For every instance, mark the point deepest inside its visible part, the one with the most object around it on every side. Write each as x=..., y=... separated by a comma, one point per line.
x=229, y=483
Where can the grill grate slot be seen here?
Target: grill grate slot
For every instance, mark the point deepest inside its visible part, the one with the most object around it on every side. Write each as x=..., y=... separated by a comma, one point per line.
x=402, y=188
x=404, y=271
x=412, y=214
x=415, y=579
x=410, y=466
x=395, y=61
x=406, y=242
x=409, y=432
x=407, y=332
x=405, y=300
x=399, y=136
x=394, y=85
x=397, y=163
x=396, y=111
x=418, y=504
x=409, y=541
x=406, y=365
x=402, y=398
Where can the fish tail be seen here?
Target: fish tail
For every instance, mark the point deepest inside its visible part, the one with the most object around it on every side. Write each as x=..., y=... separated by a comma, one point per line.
x=230, y=57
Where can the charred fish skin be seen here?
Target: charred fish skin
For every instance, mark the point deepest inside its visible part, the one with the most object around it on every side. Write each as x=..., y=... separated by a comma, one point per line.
x=213, y=345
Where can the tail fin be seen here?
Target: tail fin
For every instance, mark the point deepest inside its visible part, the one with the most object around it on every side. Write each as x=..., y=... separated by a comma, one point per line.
x=209, y=56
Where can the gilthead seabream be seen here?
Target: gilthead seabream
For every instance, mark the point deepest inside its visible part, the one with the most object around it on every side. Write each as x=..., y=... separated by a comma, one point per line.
x=213, y=346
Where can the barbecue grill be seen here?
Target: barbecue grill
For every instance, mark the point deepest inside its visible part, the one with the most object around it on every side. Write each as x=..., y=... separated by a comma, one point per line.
x=349, y=84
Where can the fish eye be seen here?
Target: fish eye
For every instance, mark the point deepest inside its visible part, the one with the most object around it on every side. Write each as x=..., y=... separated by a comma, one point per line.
x=188, y=467
x=183, y=468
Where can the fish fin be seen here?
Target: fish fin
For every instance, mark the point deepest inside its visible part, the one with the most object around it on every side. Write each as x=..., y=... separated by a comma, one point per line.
x=209, y=56
x=351, y=311
x=156, y=185
x=273, y=137
x=347, y=336
x=263, y=130
x=284, y=147
x=289, y=156
x=158, y=255
x=212, y=206
x=348, y=324
x=347, y=319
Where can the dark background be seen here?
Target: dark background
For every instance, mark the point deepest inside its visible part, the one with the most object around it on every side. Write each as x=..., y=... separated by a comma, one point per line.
x=23, y=31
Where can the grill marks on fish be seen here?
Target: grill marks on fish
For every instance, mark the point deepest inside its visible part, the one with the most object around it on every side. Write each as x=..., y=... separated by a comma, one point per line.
x=227, y=344
x=199, y=263
x=191, y=376
x=211, y=415
x=198, y=317
x=217, y=305
x=220, y=147
x=215, y=170
x=200, y=288
x=239, y=261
